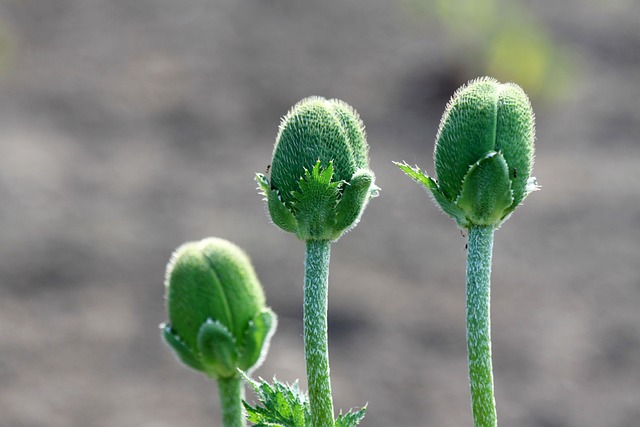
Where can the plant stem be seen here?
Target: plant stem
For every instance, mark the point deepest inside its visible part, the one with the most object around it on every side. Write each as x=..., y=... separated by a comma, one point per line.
x=316, y=286
x=480, y=247
x=231, y=392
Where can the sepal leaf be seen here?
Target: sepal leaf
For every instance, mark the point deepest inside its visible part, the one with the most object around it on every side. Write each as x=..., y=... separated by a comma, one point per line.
x=417, y=175
x=218, y=349
x=432, y=187
x=179, y=347
x=355, y=196
x=486, y=190
x=278, y=211
x=256, y=340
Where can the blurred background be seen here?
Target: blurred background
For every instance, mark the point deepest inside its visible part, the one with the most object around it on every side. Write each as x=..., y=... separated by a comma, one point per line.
x=130, y=127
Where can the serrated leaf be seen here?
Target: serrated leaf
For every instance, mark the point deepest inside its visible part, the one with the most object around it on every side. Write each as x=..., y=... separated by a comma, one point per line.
x=315, y=203
x=431, y=185
x=283, y=405
x=351, y=418
x=278, y=211
x=263, y=183
x=417, y=175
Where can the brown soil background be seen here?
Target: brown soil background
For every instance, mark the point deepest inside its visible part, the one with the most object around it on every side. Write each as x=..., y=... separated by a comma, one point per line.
x=129, y=127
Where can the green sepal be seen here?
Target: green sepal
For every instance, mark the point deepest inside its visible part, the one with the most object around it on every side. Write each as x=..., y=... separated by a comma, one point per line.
x=432, y=187
x=486, y=191
x=351, y=418
x=256, y=340
x=181, y=350
x=218, y=350
x=315, y=203
x=355, y=196
x=531, y=186
x=278, y=211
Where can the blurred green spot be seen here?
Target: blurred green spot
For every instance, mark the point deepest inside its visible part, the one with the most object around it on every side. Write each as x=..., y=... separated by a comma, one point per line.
x=502, y=38
x=524, y=54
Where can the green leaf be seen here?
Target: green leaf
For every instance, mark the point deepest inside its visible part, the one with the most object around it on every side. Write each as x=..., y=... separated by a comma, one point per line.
x=218, y=349
x=256, y=340
x=354, y=199
x=431, y=185
x=417, y=175
x=351, y=418
x=282, y=405
x=182, y=351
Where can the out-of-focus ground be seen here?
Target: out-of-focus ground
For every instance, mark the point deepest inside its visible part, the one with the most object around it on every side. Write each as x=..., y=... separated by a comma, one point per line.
x=129, y=127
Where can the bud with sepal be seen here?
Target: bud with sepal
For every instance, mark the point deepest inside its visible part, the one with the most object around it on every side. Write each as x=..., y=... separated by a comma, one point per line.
x=218, y=320
x=483, y=154
x=320, y=181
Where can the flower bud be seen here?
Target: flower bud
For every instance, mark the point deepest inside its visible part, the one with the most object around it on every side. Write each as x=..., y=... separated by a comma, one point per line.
x=218, y=321
x=483, y=154
x=320, y=178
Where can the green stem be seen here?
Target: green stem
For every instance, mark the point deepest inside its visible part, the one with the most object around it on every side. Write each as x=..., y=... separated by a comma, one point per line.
x=479, y=326
x=316, y=286
x=231, y=396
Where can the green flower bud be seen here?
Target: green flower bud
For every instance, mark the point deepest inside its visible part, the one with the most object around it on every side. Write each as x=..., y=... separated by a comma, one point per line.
x=483, y=154
x=320, y=177
x=218, y=321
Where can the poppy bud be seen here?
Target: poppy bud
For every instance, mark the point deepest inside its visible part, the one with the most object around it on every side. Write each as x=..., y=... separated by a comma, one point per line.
x=320, y=180
x=218, y=320
x=483, y=154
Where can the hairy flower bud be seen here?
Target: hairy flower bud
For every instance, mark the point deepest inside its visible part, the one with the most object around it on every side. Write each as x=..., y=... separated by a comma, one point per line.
x=483, y=154
x=218, y=321
x=320, y=177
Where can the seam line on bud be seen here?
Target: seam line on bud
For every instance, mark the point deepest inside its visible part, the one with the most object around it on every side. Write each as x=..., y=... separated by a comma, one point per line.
x=494, y=129
x=222, y=293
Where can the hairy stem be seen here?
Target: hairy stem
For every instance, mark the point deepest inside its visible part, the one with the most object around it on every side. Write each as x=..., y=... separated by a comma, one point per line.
x=483, y=403
x=316, y=286
x=231, y=396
